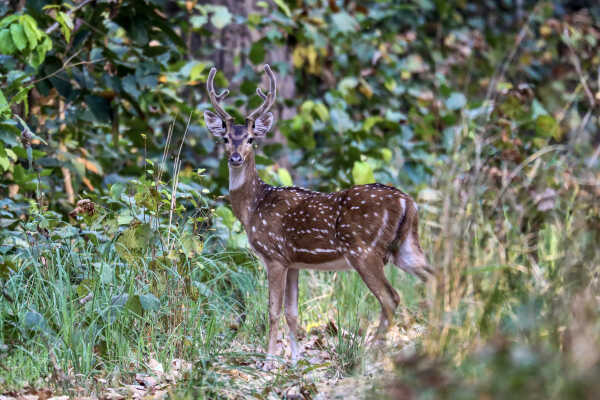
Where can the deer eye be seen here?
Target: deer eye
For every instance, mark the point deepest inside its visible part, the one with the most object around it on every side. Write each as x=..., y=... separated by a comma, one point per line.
x=250, y=140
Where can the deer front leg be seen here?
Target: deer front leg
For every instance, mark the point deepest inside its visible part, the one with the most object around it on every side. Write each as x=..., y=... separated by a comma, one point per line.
x=276, y=276
x=291, y=310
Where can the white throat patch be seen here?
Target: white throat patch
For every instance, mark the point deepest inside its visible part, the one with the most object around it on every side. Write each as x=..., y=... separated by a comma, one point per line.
x=237, y=177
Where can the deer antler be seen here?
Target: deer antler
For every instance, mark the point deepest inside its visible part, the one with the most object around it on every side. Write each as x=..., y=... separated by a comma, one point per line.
x=215, y=98
x=268, y=98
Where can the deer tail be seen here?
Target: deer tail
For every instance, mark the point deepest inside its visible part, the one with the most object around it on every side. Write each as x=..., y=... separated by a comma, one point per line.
x=405, y=250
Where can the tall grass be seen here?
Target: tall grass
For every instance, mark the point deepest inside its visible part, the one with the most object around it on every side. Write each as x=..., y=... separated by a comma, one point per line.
x=515, y=247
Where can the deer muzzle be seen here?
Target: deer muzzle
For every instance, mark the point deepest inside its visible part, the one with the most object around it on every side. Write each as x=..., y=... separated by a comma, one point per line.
x=236, y=159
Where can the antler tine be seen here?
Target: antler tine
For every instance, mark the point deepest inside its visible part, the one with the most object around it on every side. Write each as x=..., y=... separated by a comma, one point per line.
x=216, y=98
x=269, y=98
x=261, y=93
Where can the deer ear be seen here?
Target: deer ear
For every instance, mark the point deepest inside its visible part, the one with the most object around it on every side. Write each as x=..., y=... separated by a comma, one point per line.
x=214, y=123
x=263, y=124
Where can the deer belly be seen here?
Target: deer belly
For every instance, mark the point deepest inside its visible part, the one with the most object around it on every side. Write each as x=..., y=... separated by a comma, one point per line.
x=332, y=265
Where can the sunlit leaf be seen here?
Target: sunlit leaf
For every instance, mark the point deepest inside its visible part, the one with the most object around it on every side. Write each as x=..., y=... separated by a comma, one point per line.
x=284, y=177
x=7, y=45
x=221, y=17
x=362, y=173
x=284, y=7
x=226, y=216
x=196, y=71
x=17, y=33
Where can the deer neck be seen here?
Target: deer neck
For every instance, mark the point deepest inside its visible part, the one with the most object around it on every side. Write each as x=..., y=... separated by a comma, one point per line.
x=244, y=189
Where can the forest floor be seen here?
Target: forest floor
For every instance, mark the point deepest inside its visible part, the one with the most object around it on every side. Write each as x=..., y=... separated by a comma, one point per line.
x=313, y=377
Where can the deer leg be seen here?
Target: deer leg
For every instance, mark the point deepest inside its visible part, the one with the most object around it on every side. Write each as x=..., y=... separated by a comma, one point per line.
x=393, y=292
x=291, y=310
x=372, y=273
x=276, y=276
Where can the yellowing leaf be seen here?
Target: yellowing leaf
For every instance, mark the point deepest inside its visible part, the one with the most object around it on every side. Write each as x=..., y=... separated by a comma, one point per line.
x=87, y=183
x=298, y=56
x=386, y=154
x=90, y=165
x=365, y=89
x=285, y=177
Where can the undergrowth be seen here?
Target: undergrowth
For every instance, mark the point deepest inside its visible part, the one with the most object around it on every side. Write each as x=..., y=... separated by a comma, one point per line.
x=154, y=272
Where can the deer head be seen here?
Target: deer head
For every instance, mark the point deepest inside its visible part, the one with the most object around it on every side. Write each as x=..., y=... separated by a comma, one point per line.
x=238, y=139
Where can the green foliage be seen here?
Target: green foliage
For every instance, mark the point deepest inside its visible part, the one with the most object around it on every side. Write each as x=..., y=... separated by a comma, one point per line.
x=21, y=35
x=483, y=111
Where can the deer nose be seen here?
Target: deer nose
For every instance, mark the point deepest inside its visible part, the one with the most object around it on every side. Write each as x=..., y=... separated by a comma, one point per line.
x=235, y=159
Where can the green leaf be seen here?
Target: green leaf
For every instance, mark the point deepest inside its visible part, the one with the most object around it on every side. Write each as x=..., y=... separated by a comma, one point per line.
x=66, y=24
x=341, y=120
x=395, y=116
x=285, y=177
x=31, y=33
x=100, y=107
x=456, y=101
x=190, y=244
x=149, y=302
x=370, y=122
x=6, y=21
x=386, y=154
x=18, y=36
x=4, y=163
x=196, y=71
x=134, y=304
x=37, y=57
x=257, y=52
x=322, y=111
x=347, y=85
x=362, y=173
x=136, y=237
x=85, y=286
x=124, y=219
x=226, y=216
x=284, y=7
x=34, y=321
x=547, y=126
x=7, y=268
x=198, y=21
x=3, y=103
x=221, y=17
x=6, y=43
x=343, y=23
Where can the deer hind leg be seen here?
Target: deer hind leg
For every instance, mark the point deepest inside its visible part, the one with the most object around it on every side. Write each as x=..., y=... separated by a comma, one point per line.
x=291, y=310
x=372, y=273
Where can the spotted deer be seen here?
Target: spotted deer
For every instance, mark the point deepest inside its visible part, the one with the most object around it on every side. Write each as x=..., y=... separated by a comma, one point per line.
x=291, y=228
